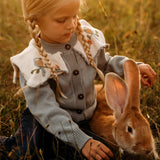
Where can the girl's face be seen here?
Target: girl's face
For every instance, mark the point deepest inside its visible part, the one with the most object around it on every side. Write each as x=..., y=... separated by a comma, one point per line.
x=57, y=27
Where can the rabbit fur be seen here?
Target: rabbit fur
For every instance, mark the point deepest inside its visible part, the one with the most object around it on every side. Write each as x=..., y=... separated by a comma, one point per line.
x=118, y=118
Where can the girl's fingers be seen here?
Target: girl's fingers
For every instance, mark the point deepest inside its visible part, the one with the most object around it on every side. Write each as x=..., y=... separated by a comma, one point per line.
x=102, y=152
x=95, y=150
x=148, y=75
x=106, y=150
x=153, y=76
x=97, y=156
x=145, y=82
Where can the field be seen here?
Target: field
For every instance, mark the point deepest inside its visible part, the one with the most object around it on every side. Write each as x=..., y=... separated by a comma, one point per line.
x=131, y=27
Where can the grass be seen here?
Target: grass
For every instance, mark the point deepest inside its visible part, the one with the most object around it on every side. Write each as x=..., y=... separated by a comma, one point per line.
x=131, y=27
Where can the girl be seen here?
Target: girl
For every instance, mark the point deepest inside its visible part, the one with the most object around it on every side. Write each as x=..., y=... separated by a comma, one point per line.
x=57, y=73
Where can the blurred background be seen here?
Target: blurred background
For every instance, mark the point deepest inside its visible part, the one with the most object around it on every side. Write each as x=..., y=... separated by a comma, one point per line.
x=131, y=27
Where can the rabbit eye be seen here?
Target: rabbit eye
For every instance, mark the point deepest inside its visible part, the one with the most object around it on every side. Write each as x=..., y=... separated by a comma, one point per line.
x=130, y=129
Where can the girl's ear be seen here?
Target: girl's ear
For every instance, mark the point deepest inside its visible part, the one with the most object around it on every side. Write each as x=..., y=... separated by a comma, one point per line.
x=116, y=93
x=35, y=21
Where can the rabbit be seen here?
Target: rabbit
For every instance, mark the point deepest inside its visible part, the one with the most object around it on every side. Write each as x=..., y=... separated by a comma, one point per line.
x=118, y=118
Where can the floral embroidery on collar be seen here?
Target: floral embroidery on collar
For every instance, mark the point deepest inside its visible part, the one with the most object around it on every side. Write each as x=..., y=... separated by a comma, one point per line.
x=38, y=62
x=57, y=69
x=91, y=33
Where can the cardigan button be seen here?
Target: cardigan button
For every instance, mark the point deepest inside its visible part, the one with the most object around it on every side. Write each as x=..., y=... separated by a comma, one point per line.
x=75, y=72
x=68, y=46
x=80, y=96
x=79, y=111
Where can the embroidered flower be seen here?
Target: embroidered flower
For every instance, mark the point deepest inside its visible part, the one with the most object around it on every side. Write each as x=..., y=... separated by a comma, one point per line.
x=91, y=33
x=89, y=36
x=90, y=42
x=57, y=69
x=87, y=30
x=39, y=63
x=96, y=33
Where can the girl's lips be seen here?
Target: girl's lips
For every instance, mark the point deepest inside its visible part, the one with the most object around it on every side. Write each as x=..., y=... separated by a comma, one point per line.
x=68, y=35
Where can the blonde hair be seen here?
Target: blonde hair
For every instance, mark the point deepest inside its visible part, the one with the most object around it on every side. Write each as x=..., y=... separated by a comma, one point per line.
x=32, y=10
x=82, y=38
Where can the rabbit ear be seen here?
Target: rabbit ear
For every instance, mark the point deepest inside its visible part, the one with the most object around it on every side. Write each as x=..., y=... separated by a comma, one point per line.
x=132, y=78
x=116, y=93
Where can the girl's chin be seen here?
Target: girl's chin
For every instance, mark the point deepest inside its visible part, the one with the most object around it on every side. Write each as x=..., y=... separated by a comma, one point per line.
x=65, y=40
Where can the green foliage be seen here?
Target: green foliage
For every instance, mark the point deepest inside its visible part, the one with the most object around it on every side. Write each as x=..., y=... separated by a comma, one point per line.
x=131, y=27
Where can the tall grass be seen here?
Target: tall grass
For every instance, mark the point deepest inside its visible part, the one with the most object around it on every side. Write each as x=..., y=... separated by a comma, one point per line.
x=131, y=27
x=13, y=38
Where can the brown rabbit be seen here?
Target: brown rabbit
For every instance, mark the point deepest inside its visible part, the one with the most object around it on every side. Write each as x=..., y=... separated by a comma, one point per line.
x=120, y=120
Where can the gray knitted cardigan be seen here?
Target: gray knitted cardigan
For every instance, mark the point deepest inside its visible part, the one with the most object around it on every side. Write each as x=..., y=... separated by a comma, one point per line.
x=76, y=79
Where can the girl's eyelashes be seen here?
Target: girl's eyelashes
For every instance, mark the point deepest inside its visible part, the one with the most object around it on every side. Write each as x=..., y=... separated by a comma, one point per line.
x=62, y=20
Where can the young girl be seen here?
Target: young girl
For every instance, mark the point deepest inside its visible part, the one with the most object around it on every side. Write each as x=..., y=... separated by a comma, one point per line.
x=57, y=73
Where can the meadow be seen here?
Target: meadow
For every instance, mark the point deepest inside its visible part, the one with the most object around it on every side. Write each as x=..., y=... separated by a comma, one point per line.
x=132, y=28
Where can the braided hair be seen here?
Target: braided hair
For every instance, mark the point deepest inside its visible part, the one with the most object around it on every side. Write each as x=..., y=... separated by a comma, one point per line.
x=32, y=9
x=82, y=38
x=34, y=30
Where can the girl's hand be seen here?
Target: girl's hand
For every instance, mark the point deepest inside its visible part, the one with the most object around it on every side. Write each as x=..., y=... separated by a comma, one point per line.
x=95, y=150
x=148, y=75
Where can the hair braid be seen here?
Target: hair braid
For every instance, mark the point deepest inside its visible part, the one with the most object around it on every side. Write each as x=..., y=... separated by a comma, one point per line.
x=82, y=38
x=34, y=30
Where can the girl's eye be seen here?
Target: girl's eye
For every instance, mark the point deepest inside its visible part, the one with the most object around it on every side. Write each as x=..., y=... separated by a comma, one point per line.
x=61, y=20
